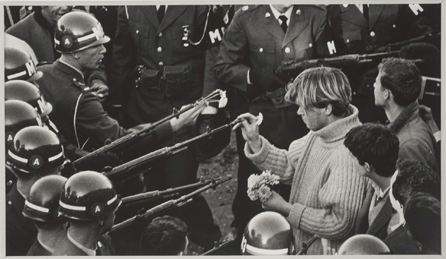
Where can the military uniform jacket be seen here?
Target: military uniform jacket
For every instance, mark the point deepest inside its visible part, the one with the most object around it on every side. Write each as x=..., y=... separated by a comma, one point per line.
x=142, y=41
x=38, y=250
x=386, y=24
x=20, y=231
x=254, y=40
x=77, y=113
x=105, y=246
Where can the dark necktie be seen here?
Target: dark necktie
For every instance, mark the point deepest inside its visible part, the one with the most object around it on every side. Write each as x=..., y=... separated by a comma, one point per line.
x=283, y=25
x=365, y=11
x=160, y=12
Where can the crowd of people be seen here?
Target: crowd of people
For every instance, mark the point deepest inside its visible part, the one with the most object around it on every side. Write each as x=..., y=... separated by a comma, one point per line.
x=349, y=97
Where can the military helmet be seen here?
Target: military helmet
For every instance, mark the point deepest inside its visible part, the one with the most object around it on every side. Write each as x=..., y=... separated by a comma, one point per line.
x=363, y=244
x=43, y=199
x=267, y=233
x=19, y=65
x=88, y=196
x=27, y=92
x=35, y=150
x=78, y=30
x=19, y=115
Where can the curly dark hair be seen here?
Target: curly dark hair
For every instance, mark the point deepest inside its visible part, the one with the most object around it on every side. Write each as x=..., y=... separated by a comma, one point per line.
x=415, y=177
x=165, y=235
x=376, y=145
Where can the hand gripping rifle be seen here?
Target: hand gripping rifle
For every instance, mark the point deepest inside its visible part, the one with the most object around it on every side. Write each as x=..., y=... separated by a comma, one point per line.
x=306, y=245
x=163, y=207
x=131, y=138
x=137, y=199
x=131, y=168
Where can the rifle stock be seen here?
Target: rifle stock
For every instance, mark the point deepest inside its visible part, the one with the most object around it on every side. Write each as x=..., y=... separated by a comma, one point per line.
x=163, y=207
x=306, y=245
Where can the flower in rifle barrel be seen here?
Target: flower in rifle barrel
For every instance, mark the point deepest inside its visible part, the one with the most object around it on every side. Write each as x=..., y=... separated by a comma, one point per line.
x=218, y=93
x=223, y=99
x=259, y=185
x=259, y=119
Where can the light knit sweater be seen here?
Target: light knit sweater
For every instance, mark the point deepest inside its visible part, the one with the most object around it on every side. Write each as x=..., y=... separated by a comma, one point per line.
x=326, y=192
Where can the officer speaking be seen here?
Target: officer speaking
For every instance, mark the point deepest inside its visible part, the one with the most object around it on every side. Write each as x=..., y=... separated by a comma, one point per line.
x=222, y=129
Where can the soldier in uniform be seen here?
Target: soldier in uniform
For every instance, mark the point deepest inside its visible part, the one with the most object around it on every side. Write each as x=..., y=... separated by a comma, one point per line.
x=89, y=202
x=247, y=60
x=18, y=115
x=363, y=28
x=162, y=45
x=35, y=152
x=41, y=207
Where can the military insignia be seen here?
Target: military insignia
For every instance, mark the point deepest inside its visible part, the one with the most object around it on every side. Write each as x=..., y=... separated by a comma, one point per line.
x=416, y=8
x=67, y=41
x=243, y=245
x=36, y=162
x=9, y=137
x=97, y=209
x=298, y=12
x=345, y=5
x=244, y=8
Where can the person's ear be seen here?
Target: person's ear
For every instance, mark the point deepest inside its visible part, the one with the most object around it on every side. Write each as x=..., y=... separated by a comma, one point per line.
x=368, y=167
x=328, y=109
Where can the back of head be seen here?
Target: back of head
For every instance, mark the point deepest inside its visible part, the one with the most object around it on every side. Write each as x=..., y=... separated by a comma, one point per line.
x=376, y=145
x=423, y=218
x=88, y=196
x=402, y=78
x=267, y=233
x=42, y=202
x=363, y=244
x=320, y=86
x=164, y=236
x=29, y=93
x=414, y=177
x=35, y=150
x=19, y=65
x=18, y=115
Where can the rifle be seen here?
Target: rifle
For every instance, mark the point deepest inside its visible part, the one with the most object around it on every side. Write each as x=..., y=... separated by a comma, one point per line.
x=130, y=169
x=163, y=207
x=306, y=245
x=428, y=38
x=217, y=247
x=147, y=130
x=154, y=195
x=290, y=69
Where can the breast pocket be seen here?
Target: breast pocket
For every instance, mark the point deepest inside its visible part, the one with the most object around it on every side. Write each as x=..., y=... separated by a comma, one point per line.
x=263, y=53
x=140, y=36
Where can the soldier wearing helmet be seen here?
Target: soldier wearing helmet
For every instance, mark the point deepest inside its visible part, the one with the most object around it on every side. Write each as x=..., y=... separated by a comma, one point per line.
x=20, y=66
x=363, y=244
x=88, y=201
x=267, y=233
x=18, y=115
x=77, y=111
x=41, y=207
x=34, y=153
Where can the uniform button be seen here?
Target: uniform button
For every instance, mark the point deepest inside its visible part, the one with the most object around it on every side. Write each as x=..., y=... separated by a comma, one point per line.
x=287, y=50
x=160, y=34
x=159, y=49
x=347, y=40
x=310, y=45
x=74, y=79
x=10, y=202
x=137, y=31
x=394, y=26
x=10, y=182
x=261, y=50
x=161, y=63
x=372, y=34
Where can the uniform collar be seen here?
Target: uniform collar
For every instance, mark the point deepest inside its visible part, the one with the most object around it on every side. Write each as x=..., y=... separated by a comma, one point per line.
x=88, y=251
x=74, y=68
x=49, y=249
x=277, y=13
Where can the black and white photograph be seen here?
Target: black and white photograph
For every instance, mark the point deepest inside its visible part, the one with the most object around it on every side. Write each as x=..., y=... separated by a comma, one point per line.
x=170, y=128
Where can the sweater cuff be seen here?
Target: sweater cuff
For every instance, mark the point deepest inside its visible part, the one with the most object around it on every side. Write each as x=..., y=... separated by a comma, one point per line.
x=296, y=214
x=261, y=155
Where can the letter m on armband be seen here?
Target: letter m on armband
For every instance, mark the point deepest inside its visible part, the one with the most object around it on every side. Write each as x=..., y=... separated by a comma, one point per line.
x=331, y=47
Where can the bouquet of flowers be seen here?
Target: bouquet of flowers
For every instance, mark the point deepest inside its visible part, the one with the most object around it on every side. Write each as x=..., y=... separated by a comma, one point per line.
x=259, y=185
